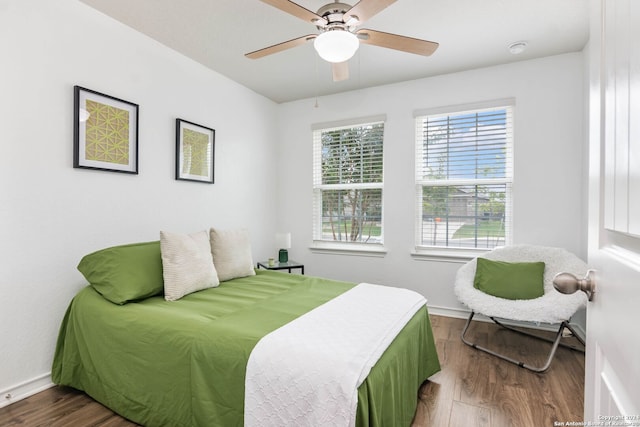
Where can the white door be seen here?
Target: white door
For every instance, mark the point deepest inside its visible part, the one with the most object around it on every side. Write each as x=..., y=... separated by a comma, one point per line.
x=612, y=383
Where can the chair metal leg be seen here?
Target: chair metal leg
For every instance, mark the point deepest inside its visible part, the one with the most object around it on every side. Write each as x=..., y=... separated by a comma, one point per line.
x=567, y=325
x=554, y=347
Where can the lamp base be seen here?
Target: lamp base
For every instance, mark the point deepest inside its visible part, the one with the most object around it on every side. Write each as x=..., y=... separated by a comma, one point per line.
x=283, y=255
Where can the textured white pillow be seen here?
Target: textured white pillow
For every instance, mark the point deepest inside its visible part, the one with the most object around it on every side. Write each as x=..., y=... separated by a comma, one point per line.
x=231, y=250
x=186, y=264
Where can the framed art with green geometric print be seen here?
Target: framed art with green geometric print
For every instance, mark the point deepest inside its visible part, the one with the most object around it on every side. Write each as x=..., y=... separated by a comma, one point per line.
x=105, y=132
x=195, y=148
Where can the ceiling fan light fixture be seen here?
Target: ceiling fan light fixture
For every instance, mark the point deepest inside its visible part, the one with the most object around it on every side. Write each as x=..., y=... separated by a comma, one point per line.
x=336, y=45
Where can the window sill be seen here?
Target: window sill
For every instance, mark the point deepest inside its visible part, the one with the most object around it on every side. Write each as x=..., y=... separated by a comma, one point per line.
x=354, y=249
x=455, y=255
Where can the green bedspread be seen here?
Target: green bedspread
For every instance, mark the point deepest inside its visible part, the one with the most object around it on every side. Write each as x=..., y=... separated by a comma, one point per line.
x=182, y=363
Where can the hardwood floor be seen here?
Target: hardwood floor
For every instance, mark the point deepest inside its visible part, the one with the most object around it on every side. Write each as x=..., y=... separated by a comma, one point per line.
x=473, y=388
x=476, y=389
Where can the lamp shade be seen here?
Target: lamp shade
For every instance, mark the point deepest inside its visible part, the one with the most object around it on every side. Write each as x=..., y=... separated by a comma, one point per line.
x=283, y=240
x=336, y=45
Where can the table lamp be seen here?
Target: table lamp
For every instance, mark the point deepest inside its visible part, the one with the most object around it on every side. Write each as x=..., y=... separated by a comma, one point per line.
x=283, y=241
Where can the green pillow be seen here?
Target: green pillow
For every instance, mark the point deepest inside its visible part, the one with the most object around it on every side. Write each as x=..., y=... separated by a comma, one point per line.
x=125, y=273
x=510, y=280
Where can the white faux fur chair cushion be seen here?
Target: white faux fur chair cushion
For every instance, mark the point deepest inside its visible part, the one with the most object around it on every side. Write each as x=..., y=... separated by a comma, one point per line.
x=552, y=307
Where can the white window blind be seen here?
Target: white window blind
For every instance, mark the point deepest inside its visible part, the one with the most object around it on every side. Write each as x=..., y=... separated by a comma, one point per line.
x=348, y=182
x=464, y=173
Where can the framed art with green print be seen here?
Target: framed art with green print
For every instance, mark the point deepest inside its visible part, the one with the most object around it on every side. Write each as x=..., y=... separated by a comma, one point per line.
x=105, y=132
x=195, y=150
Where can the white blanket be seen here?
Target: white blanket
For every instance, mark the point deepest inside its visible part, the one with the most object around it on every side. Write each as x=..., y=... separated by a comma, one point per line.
x=307, y=372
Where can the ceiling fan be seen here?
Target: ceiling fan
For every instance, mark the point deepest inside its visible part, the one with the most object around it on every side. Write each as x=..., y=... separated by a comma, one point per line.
x=339, y=37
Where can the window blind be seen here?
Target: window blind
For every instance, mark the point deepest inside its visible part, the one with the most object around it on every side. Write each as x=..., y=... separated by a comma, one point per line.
x=464, y=174
x=348, y=182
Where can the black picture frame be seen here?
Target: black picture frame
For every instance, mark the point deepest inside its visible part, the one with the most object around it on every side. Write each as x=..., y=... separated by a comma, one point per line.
x=105, y=132
x=195, y=152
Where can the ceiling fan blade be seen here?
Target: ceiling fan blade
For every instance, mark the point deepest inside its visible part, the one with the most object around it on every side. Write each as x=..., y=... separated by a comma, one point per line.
x=394, y=41
x=280, y=47
x=340, y=71
x=298, y=11
x=365, y=9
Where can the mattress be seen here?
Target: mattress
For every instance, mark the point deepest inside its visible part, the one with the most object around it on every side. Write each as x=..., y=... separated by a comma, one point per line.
x=182, y=363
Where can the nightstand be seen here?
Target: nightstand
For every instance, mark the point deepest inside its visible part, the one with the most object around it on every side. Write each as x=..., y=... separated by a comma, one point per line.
x=282, y=265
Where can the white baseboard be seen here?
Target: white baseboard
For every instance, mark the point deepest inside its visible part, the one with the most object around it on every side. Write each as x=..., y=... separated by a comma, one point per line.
x=25, y=389
x=460, y=313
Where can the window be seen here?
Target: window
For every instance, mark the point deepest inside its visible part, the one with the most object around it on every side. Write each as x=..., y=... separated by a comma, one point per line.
x=347, y=183
x=463, y=177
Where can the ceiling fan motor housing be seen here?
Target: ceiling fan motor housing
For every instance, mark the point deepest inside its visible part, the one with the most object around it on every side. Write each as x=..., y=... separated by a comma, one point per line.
x=334, y=13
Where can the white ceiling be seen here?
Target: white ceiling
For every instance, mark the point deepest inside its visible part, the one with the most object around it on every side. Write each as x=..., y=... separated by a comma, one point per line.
x=471, y=33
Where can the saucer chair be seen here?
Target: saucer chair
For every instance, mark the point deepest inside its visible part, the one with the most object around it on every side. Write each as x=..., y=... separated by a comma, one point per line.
x=515, y=276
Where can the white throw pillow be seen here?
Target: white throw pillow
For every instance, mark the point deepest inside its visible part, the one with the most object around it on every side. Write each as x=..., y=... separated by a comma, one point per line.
x=231, y=250
x=187, y=265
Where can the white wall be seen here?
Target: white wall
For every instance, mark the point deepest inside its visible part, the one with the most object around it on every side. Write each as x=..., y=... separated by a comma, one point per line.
x=548, y=181
x=51, y=214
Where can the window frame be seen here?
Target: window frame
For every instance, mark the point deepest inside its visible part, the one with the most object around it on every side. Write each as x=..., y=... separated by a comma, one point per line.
x=344, y=247
x=455, y=253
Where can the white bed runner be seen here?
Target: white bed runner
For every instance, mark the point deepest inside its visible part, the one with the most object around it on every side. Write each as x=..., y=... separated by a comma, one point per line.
x=307, y=372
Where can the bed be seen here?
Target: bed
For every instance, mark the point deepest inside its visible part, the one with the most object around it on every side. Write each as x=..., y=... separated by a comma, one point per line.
x=182, y=363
